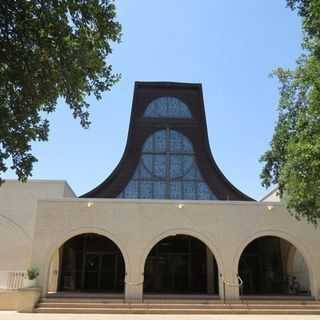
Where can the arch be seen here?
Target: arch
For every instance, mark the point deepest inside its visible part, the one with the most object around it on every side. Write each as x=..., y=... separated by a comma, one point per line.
x=167, y=107
x=79, y=231
x=187, y=232
x=181, y=264
x=90, y=262
x=289, y=239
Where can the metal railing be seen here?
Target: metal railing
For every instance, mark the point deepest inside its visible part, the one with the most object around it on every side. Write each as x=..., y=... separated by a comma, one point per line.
x=12, y=279
x=230, y=284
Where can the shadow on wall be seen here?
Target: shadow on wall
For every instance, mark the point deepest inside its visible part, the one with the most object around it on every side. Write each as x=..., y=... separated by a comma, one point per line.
x=15, y=247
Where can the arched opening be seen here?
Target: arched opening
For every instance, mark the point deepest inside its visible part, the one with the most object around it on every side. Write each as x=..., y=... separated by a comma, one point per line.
x=181, y=264
x=270, y=265
x=87, y=263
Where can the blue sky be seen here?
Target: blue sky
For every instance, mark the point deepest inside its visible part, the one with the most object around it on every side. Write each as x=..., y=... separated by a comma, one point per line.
x=229, y=46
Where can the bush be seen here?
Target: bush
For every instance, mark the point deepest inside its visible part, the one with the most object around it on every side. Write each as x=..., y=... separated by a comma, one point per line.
x=32, y=273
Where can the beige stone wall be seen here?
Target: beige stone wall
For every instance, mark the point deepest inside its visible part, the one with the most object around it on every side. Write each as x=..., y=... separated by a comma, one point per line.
x=9, y=299
x=38, y=217
x=28, y=299
x=136, y=226
x=18, y=207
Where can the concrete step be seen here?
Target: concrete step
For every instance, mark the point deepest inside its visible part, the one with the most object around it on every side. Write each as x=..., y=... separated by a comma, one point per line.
x=126, y=310
x=81, y=300
x=118, y=306
x=174, y=306
x=179, y=301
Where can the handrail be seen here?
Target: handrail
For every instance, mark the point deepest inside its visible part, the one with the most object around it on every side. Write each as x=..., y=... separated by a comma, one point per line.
x=230, y=284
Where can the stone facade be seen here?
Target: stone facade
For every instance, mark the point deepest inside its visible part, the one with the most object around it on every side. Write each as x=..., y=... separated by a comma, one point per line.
x=38, y=217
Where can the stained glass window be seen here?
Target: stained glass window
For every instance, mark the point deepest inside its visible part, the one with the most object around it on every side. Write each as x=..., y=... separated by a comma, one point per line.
x=167, y=107
x=167, y=169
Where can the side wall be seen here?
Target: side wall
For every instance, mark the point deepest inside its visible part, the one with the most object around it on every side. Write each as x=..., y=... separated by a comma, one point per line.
x=18, y=208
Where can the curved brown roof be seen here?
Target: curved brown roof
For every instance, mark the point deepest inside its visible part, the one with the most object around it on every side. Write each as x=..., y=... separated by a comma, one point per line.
x=194, y=128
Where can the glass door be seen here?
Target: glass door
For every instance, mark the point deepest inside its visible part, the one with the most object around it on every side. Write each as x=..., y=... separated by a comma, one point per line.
x=92, y=272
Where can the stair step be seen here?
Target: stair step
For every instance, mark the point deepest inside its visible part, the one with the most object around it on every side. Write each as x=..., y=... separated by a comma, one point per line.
x=180, y=302
x=83, y=299
x=174, y=306
x=176, y=311
x=105, y=305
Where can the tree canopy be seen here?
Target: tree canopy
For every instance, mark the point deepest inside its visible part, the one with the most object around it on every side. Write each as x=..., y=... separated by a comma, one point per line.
x=293, y=160
x=50, y=49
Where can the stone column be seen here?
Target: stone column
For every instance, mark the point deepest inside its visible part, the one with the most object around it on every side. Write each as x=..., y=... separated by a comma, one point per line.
x=230, y=288
x=134, y=289
x=53, y=272
x=210, y=273
x=228, y=274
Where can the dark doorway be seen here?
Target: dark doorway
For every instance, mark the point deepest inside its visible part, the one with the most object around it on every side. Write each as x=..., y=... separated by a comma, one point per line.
x=91, y=263
x=181, y=265
x=268, y=267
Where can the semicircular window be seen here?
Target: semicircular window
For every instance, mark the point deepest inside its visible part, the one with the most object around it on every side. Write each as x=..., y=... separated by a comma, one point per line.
x=167, y=107
x=167, y=169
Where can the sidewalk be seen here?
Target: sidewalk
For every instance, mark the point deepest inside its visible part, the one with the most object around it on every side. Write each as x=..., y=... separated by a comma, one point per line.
x=11, y=315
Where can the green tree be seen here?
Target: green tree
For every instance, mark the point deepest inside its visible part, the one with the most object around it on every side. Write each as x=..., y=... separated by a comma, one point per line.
x=293, y=160
x=49, y=49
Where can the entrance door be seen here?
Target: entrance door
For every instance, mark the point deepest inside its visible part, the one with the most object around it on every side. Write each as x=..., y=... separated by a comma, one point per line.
x=179, y=265
x=101, y=272
x=179, y=273
x=109, y=272
x=91, y=263
x=92, y=272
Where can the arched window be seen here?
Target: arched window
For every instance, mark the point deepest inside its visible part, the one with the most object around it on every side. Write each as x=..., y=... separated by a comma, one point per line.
x=167, y=169
x=167, y=107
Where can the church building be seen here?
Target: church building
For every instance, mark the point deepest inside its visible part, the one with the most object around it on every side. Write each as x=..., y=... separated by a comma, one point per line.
x=165, y=224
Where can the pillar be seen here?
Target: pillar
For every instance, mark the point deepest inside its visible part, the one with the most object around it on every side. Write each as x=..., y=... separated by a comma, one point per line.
x=134, y=289
x=210, y=272
x=53, y=272
x=230, y=288
x=228, y=280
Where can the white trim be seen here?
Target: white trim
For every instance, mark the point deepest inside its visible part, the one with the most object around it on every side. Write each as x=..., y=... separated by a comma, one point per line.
x=58, y=181
x=36, y=180
x=276, y=188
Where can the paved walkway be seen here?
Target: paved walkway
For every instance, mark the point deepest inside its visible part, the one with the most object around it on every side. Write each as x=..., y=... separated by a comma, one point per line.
x=10, y=315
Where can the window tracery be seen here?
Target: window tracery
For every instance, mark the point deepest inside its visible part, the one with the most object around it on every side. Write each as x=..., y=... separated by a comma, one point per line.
x=167, y=107
x=167, y=169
